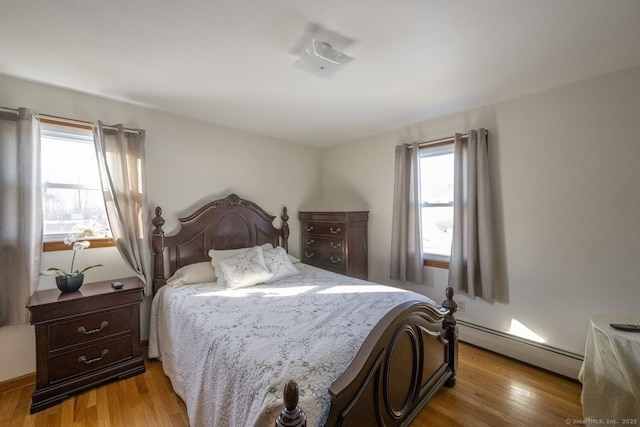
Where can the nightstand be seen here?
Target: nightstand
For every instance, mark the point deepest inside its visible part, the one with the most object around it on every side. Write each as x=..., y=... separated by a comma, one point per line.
x=85, y=338
x=336, y=241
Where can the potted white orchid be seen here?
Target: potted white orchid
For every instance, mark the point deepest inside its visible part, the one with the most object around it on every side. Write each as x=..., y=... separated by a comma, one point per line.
x=72, y=280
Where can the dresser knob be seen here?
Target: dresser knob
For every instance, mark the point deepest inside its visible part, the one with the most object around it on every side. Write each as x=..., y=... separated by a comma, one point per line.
x=335, y=260
x=336, y=245
x=310, y=242
x=308, y=228
x=103, y=325
x=309, y=254
x=335, y=230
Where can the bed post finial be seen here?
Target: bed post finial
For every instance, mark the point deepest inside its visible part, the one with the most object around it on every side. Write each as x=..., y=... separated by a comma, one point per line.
x=291, y=415
x=157, y=242
x=449, y=303
x=285, y=229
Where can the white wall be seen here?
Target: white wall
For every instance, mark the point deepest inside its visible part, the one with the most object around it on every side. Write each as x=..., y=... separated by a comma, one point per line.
x=565, y=169
x=188, y=162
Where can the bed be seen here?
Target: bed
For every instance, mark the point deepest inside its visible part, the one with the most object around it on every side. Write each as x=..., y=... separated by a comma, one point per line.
x=358, y=353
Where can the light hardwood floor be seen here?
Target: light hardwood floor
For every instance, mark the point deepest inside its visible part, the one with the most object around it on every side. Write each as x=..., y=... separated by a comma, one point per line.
x=491, y=391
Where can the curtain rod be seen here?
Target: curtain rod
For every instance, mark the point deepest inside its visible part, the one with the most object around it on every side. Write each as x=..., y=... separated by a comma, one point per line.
x=438, y=141
x=69, y=121
x=442, y=140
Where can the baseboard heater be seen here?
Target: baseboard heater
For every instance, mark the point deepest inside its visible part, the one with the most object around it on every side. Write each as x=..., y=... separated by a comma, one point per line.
x=538, y=354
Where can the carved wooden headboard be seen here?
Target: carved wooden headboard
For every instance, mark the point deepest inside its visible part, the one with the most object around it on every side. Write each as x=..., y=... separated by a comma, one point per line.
x=228, y=223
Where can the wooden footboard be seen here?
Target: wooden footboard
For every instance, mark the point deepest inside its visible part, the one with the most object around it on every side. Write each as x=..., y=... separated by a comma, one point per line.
x=410, y=354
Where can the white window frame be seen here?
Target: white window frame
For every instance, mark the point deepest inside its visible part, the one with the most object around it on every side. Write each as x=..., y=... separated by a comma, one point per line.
x=438, y=149
x=75, y=133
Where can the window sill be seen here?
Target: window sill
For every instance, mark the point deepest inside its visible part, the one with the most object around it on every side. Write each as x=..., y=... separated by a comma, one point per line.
x=60, y=246
x=436, y=263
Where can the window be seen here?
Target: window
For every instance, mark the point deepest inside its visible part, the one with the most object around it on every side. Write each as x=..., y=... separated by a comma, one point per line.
x=72, y=196
x=436, y=186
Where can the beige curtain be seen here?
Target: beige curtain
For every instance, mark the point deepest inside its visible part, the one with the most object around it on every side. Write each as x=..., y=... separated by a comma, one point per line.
x=121, y=161
x=472, y=265
x=20, y=213
x=406, y=235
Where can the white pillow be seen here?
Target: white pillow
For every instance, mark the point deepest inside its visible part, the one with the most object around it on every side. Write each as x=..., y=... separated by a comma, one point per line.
x=200, y=272
x=279, y=263
x=244, y=269
x=217, y=255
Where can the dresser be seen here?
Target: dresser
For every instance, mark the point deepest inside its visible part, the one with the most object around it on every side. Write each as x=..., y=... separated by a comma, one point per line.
x=335, y=241
x=85, y=338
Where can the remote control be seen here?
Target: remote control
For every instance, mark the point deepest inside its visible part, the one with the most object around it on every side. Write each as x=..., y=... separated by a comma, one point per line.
x=625, y=327
x=116, y=285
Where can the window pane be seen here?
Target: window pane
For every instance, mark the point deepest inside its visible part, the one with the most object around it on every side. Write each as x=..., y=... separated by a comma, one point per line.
x=436, y=182
x=437, y=226
x=436, y=178
x=67, y=209
x=69, y=162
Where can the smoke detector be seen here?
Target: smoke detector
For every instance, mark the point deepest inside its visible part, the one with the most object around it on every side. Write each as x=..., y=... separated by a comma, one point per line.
x=320, y=51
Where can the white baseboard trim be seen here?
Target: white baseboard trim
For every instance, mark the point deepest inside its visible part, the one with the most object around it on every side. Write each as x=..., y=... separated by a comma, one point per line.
x=537, y=354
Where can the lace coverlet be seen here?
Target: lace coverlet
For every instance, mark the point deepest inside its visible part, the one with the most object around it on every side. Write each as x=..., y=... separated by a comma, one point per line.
x=229, y=353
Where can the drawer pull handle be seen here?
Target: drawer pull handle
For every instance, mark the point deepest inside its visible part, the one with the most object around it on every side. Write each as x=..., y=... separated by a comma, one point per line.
x=335, y=260
x=309, y=254
x=83, y=330
x=84, y=359
x=336, y=245
x=310, y=242
x=308, y=228
x=335, y=230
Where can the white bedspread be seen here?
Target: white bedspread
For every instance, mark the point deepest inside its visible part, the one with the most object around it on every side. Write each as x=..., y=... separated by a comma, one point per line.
x=229, y=353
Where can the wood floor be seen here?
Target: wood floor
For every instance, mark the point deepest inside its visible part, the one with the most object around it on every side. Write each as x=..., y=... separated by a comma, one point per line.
x=490, y=391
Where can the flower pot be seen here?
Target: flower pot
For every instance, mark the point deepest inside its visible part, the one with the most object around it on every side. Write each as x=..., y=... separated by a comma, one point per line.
x=69, y=284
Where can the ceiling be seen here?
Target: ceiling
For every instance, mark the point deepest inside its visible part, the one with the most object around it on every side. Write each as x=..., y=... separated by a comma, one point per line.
x=229, y=62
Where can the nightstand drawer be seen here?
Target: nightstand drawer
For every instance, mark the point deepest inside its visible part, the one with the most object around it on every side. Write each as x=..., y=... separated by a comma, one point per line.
x=323, y=228
x=89, y=328
x=89, y=358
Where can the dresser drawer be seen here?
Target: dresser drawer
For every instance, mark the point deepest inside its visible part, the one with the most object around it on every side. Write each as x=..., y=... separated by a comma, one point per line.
x=89, y=328
x=89, y=358
x=332, y=245
x=318, y=257
x=322, y=229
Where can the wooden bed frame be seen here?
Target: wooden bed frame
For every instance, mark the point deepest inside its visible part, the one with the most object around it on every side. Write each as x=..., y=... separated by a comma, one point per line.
x=406, y=358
